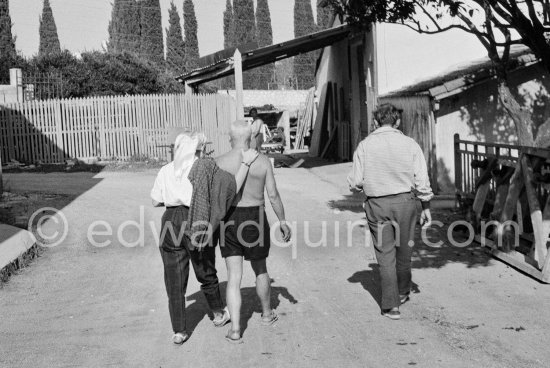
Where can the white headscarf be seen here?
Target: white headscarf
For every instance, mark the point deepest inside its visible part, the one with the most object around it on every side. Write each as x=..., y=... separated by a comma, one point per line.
x=186, y=146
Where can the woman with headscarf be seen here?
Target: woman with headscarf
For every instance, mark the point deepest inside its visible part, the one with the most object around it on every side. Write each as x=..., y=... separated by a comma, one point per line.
x=180, y=184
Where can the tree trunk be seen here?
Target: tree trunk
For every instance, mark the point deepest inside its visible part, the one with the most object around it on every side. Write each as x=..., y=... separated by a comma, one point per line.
x=522, y=119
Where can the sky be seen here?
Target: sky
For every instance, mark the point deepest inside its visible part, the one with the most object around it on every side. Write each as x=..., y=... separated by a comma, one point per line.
x=403, y=55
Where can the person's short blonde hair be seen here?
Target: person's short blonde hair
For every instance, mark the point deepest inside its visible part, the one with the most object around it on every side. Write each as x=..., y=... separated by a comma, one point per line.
x=241, y=131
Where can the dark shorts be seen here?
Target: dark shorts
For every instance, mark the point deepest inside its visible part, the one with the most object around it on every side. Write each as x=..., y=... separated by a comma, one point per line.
x=245, y=232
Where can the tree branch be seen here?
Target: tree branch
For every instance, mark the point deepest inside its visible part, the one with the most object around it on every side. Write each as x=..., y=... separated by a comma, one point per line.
x=534, y=17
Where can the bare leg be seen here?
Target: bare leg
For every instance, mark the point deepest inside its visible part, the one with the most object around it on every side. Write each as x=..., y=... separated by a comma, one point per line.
x=233, y=293
x=263, y=285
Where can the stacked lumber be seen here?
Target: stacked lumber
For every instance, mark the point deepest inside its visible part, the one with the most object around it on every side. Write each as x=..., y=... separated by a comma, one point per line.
x=305, y=120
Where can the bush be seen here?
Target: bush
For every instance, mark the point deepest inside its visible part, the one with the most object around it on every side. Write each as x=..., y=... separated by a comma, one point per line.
x=98, y=73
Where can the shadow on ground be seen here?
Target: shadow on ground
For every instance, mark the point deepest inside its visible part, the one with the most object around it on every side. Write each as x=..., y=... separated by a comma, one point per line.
x=250, y=305
x=370, y=281
x=352, y=202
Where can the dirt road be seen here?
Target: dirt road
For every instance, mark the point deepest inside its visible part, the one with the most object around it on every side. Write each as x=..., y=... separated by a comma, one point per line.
x=84, y=305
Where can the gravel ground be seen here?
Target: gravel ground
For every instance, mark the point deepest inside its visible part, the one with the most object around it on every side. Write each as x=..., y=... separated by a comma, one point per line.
x=83, y=305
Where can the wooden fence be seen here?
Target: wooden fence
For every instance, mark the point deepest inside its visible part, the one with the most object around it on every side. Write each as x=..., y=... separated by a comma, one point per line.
x=506, y=190
x=110, y=128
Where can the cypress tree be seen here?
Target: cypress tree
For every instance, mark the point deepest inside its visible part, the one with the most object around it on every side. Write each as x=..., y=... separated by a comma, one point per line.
x=245, y=22
x=245, y=32
x=304, y=64
x=323, y=17
x=152, y=40
x=113, y=27
x=264, y=37
x=190, y=30
x=49, y=40
x=228, y=25
x=175, y=47
x=228, y=38
x=7, y=41
x=124, y=27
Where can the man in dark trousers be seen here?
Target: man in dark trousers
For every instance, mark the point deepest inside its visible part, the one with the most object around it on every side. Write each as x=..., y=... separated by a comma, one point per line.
x=390, y=169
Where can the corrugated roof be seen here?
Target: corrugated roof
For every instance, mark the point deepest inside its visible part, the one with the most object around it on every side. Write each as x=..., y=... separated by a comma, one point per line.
x=264, y=55
x=464, y=75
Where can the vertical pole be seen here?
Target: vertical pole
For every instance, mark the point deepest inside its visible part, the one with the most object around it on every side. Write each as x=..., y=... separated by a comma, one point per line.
x=458, y=163
x=1, y=179
x=188, y=89
x=237, y=59
x=16, y=80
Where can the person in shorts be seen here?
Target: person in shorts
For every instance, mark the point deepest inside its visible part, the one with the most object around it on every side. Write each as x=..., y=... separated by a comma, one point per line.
x=244, y=233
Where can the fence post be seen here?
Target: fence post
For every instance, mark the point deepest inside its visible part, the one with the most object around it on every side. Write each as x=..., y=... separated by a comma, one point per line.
x=59, y=131
x=458, y=163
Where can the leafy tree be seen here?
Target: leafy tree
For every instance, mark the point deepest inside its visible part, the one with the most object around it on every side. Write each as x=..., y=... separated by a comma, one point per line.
x=264, y=37
x=304, y=64
x=497, y=24
x=152, y=41
x=228, y=25
x=7, y=41
x=190, y=30
x=104, y=74
x=175, y=47
x=124, y=27
x=49, y=40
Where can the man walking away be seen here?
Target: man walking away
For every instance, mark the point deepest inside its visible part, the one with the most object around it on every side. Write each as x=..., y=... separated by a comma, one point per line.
x=390, y=169
x=245, y=231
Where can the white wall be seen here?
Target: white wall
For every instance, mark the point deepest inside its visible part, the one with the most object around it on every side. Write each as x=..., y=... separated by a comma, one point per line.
x=290, y=100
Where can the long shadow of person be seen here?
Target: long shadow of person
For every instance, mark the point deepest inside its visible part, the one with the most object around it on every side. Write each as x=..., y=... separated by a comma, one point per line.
x=196, y=311
x=251, y=302
x=370, y=281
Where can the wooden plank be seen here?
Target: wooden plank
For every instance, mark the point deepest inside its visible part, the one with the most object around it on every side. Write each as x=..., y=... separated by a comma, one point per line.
x=513, y=258
x=330, y=139
x=510, y=206
x=541, y=236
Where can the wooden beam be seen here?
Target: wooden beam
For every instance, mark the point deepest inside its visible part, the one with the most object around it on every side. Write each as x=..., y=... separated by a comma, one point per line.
x=510, y=206
x=513, y=258
x=539, y=227
x=238, y=65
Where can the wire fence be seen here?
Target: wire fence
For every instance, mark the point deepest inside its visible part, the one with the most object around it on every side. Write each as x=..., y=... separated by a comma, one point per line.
x=42, y=86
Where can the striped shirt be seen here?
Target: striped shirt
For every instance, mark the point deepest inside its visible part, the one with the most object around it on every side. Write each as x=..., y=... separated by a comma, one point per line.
x=388, y=162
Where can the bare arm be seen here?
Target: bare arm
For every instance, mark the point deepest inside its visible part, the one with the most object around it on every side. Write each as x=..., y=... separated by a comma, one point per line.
x=273, y=194
x=276, y=202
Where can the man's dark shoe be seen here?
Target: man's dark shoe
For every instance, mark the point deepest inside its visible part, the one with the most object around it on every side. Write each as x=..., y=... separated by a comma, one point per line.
x=391, y=313
x=404, y=298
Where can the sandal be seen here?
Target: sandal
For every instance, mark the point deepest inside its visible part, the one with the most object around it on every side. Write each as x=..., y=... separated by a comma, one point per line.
x=179, y=338
x=225, y=318
x=231, y=337
x=269, y=320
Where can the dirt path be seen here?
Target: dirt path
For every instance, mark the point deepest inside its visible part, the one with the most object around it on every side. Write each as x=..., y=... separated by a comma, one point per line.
x=81, y=305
